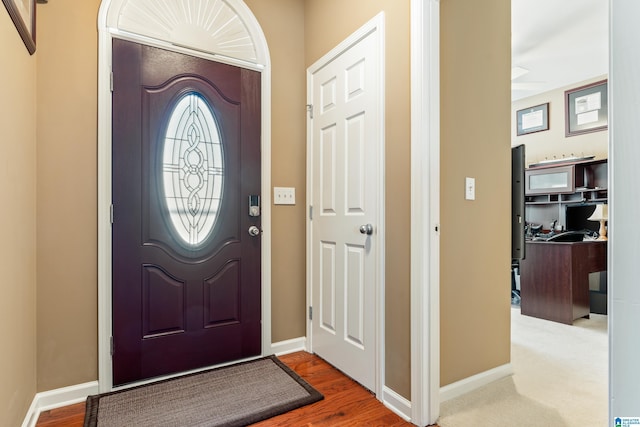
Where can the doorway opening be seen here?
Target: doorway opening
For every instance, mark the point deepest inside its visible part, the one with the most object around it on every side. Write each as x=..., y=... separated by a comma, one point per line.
x=539, y=79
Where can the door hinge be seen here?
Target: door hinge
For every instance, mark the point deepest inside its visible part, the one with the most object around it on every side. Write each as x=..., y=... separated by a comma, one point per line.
x=310, y=212
x=111, y=213
x=310, y=110
x=310, y=313
x=111, y=349
x=111, y=81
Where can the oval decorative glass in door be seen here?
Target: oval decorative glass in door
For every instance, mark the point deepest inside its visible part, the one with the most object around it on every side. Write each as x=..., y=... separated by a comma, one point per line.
x=192, y=169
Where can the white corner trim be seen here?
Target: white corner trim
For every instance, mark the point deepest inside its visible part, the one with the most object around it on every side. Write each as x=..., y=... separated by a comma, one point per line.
x=475, y=382
x=425, y=211
x=289, y=346
x=58, y=398
x=396, y=403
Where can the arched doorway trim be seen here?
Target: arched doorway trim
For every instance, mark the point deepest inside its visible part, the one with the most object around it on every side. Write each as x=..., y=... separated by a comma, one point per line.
x=219, y=30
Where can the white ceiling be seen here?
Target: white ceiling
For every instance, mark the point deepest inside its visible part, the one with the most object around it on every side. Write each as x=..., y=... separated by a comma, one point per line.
x=559, y=42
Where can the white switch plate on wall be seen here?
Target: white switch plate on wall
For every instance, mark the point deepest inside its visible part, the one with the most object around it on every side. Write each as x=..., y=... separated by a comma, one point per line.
x=470, y=188
x=284, y=196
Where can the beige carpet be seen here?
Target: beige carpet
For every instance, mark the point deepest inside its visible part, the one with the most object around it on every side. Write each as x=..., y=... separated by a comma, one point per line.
x=560, y=379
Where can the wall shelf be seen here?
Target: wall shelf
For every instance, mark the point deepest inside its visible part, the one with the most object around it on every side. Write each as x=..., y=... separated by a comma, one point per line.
x=577, y=184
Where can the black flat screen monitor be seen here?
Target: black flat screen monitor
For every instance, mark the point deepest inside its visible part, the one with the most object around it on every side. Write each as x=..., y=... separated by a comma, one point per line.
x=576, y=217
x=517, y=203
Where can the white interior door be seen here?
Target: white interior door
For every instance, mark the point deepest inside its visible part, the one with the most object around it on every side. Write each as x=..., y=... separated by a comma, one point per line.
x=345, y=194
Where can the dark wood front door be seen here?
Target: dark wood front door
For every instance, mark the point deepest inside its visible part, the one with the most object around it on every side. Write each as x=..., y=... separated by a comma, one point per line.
x=186, y=159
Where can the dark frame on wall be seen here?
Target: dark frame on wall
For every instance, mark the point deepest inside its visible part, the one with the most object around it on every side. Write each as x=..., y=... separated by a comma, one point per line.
x=586, y=109
x=532, y=119
x=23, y=15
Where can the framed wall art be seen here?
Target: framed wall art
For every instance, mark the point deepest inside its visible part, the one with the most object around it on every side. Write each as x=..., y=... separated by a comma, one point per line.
x=533, y=119
x=23, y=15
x=586, y=109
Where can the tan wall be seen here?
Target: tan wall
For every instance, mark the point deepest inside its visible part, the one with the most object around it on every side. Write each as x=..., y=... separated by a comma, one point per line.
x=67, y=193
x=67, y=246
x=552, y=143
x=475, y=299
x=327, y=23
x=282, y=22
x=475, y=235
x=17, y=224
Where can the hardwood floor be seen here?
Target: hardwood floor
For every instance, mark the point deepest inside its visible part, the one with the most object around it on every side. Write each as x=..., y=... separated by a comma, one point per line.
x=345, y=402
x=68, y=416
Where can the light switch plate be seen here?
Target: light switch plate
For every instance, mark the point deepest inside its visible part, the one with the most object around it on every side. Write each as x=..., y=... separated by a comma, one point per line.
x=470, y=188
x=284, y=196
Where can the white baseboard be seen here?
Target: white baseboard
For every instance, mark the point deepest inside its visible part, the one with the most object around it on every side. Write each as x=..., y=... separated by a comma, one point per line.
x=57, y=398
x=390, y=398
x=289, y=346
x=474, y=382
x=396, y=403
x=78, y=393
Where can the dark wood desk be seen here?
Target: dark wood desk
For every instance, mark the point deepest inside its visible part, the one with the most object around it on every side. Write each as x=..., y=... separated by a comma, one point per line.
x=554, y=278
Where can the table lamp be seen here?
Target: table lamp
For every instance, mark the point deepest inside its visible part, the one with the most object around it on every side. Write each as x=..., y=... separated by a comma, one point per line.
x=600, y=214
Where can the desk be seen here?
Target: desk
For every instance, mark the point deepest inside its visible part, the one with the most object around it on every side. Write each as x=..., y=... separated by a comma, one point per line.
x=554, y=278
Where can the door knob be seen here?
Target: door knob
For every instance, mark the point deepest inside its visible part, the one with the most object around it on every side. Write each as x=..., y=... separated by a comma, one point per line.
x=254, y=231
x=366, y=229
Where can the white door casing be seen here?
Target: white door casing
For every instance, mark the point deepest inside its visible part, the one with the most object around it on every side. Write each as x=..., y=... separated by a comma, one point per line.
x=425, y=211
x=218, y=30
x=346, y=192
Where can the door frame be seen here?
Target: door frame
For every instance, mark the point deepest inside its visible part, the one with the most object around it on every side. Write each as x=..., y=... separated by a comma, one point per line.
x=425, y=211
x=376, y=24
x=108, y=28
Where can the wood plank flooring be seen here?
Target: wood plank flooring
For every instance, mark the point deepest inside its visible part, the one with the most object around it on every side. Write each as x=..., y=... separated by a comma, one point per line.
x=345, y=402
